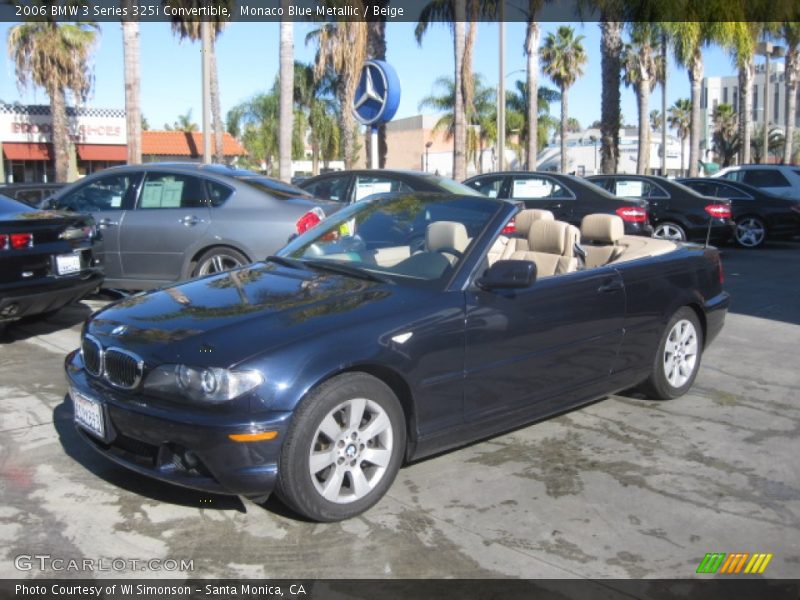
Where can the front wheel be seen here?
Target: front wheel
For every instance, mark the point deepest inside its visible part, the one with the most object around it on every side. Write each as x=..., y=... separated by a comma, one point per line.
x=669, y=231
x=343, y=449
x=750, y=232
x=677, y=359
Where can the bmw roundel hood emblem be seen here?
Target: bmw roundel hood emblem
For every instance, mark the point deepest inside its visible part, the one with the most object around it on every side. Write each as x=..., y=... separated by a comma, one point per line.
x=119, y=330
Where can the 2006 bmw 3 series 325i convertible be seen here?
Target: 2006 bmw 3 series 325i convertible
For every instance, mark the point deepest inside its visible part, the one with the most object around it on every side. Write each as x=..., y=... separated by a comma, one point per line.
x=397, y=328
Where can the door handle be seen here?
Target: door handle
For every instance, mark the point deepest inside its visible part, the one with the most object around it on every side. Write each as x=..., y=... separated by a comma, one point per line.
x=106, y=223
x=611, y=286
x=190, y=220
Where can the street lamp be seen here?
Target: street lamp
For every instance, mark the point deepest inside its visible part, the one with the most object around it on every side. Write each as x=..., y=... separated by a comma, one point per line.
x=427, y=147
x=768, y=50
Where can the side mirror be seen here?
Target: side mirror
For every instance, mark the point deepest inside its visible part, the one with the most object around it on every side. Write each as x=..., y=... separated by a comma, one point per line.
x=508, y=274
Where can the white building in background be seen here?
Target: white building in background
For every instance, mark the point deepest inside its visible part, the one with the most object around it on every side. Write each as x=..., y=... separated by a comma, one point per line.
x=583, y=153
x=725, y=90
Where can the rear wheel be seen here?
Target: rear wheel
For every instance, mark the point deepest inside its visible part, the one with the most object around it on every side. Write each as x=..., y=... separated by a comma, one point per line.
x=750, y=232
x=217, y=260
x=670, y=231
x=343, y=449
x=677, y=359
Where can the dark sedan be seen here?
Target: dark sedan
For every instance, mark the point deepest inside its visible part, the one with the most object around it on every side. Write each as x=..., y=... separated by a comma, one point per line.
x=391, y=331
x=165, y=222
x=676, y=212
x=348, y=187
x=567, y=197
x=47, y=260
x=759, y=215
x=31, y=194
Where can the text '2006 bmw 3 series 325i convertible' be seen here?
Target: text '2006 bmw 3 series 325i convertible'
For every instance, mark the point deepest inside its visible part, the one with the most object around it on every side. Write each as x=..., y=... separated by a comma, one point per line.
x=399, y=327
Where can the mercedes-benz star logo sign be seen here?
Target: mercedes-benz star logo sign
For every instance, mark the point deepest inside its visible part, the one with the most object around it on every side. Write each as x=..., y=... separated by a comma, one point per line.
x=370, y=93
x=377, y=94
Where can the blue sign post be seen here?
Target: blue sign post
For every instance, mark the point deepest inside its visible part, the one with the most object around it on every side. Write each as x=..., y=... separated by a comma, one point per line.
x=376, y=100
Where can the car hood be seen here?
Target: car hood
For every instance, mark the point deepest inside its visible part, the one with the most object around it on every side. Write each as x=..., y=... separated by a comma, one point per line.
x=226, y=318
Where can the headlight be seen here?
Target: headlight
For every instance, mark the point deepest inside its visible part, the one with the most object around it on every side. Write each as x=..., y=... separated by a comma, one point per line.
x=203, y=384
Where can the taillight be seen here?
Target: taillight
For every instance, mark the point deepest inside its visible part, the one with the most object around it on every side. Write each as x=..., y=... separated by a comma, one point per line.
x=511, y=227
x=719, y=211
x=16, y=241
x=632, y=214
x=311, y=219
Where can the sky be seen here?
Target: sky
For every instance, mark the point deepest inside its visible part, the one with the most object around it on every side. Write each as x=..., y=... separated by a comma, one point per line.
x=247, y=56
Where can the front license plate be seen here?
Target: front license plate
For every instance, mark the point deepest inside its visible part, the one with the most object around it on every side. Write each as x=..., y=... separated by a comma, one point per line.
x=68, y=263
x=88, y=413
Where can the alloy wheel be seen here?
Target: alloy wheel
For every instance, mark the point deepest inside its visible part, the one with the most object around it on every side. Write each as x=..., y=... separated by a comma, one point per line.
x=217, y=264
x=680, y=353
x=350, y=451
x=669, y=231
x=750, y=232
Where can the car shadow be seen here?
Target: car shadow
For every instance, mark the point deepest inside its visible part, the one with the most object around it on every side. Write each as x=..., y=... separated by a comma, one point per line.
x=35, y=325
x=79, y=451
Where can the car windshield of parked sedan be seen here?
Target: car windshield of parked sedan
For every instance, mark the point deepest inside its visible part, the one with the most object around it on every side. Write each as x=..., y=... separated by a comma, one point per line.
x=409, y=236
x=453, y=186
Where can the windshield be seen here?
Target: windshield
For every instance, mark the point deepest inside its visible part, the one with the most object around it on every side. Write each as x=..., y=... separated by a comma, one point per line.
x=276, y=188
x=453, y=186
x=408, y=236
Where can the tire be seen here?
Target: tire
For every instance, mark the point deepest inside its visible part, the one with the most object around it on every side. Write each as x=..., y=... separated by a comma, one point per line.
x=672, y=375
x=217, y=260
x=670, y=231
x=325, y=487
x=750, y=232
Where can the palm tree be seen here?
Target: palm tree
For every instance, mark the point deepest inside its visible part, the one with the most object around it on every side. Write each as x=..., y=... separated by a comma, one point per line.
x=286, y=112
x=679, y=117
x=518, y=103
x=133, y=111
x=610, y=117
x=688, y=39
x=563, y=58
x=643, y=69
x=341, y=49
x=790, y=32
x=656, y=120
x=743, y=47
x=775, y=143
x=314, y=99
x=726, y=136
x=531, y=47
x=190, y=28
x=184, y=123
x=54, y=56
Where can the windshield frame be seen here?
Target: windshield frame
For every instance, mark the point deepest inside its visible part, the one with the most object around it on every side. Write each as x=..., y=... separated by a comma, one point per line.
x=452, y=278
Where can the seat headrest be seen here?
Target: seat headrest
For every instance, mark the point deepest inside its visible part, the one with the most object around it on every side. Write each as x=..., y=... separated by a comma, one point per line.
x=549, y=237
x=602, y=228
x=446, y=234
x=525, y=219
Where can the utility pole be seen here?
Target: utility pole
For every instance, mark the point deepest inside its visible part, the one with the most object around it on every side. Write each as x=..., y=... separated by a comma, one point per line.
x=501, y=93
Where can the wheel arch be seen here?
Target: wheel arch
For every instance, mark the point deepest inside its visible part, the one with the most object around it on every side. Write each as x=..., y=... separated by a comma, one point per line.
x=701, y=316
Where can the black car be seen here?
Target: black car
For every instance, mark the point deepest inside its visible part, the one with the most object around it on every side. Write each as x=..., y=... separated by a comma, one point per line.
x=391, y=331
x=569, y=198
x=352, y=186
x=759, y=215
x=47, y=259
x=31, y=194
x=676, y=212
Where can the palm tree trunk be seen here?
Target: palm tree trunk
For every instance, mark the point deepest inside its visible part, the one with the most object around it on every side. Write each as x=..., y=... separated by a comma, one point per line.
x=695, y=80
x=563, y=130
x=643, y=157
x=611, y=47
x=216, y=111
x=376, y=48
x=532, y=69
x=791, y=69
x=459, y=118
x=133, y=114
x=285, y=112
x=683, y=156
x=314, y=158
x=745, y=109
x=58, y=111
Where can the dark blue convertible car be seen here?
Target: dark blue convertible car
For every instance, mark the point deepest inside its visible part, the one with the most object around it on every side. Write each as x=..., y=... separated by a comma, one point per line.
x=397, y=328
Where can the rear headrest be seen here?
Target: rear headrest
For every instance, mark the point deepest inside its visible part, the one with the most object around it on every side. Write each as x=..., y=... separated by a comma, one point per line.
x=549, y=237
x=526, y=217
x=602, y=228
x=446, y=234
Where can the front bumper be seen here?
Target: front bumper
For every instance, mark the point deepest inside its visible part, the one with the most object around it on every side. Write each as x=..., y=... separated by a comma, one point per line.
x=36, y=297
x=183, y=447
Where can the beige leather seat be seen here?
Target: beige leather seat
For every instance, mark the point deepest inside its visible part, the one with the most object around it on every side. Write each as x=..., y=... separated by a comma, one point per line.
x=600, y=238
x=552, y=247
x=443, y=235
x=523, y=221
